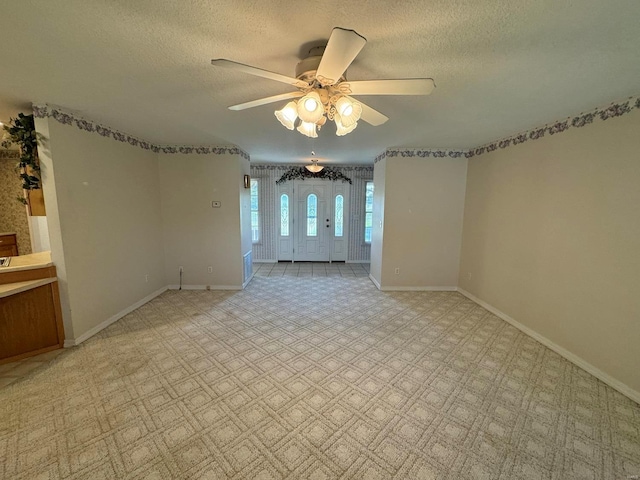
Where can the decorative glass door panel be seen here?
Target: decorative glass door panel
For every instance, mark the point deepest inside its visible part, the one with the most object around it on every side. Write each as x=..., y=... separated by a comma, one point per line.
x=312, y=224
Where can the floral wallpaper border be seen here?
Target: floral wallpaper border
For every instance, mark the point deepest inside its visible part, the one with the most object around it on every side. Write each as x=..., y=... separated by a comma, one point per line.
x=419, y=152
x=615, y=109
x=68, y=118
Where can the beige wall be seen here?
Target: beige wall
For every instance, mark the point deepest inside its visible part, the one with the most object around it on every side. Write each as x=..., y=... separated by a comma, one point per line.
x=103, y=212
x=196, y=235
x=422, y=219
x=552, y=239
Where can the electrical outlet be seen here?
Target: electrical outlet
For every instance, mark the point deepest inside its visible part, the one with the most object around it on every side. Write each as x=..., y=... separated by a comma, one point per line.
x=210, y=269
x=146, y=278
x=397, y=272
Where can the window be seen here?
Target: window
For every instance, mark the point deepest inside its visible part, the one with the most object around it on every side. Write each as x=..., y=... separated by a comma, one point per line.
x=284, y=215
x=339, y=215
x=312, y=215
x=368, y=211
x=255, y=217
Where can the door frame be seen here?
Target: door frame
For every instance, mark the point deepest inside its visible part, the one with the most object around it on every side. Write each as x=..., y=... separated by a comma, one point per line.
x=285, y=245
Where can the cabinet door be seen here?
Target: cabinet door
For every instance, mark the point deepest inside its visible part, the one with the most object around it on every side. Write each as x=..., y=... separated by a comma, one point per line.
x=8, y=246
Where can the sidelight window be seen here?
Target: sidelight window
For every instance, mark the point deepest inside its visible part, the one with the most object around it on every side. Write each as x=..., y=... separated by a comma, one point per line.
x=339, y=216
x=284, y=215
x=255, y=220
x=368, y=212
x=312, y=215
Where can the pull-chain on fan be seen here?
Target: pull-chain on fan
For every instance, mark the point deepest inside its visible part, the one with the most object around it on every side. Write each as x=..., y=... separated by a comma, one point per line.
x=323, y=90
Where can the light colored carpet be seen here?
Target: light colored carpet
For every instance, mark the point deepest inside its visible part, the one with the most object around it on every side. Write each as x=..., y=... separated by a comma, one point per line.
x=315, y=378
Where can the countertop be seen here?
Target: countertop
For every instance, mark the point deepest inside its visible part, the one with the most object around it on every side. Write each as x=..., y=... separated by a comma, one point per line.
x=28, y=262
x=17, y=287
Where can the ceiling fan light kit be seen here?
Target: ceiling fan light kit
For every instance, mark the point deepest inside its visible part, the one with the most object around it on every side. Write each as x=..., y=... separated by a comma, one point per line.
x=308, y=129
x=323, y=90
x=288, y=115
x=349, y=111
x=341, y=129
x=310, y=108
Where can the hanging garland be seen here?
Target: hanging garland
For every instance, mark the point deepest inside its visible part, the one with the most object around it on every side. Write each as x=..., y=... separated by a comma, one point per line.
x=21, y=131
x=301, y=173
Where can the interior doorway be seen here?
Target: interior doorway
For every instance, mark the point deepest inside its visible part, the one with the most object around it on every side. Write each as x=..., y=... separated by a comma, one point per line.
x=313, y=221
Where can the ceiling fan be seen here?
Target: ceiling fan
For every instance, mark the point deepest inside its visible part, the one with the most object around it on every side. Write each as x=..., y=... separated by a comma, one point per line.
x=323, y=91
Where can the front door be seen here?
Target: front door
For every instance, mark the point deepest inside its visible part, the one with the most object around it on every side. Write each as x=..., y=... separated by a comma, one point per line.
x=312, y=221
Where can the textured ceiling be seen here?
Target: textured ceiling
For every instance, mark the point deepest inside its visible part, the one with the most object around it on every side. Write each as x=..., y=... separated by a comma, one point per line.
x=143, y=67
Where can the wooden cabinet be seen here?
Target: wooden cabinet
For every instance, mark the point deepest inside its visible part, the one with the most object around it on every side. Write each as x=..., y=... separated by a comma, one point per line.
x=30, y=311
x=8, y=245
x=31, y=320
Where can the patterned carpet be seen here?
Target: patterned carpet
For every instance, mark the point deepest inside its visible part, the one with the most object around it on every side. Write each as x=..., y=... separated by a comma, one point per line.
x=314, y=378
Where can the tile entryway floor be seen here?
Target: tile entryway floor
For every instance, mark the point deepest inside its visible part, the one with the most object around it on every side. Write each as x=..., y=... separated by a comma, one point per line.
x=311, y=269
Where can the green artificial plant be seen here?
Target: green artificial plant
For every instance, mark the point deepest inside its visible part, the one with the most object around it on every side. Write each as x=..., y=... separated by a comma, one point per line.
x=22, y=132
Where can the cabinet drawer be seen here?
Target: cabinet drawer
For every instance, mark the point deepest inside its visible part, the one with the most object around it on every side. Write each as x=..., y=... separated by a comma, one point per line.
x=7, y=240
x=8, y=251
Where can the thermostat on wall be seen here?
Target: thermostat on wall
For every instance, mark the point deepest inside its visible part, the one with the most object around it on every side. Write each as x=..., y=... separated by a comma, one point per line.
x=215, y=204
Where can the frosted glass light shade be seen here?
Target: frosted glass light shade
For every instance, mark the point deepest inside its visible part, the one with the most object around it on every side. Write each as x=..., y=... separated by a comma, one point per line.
x=308, y=129
x=310, y=108
x=349, y=111
x=314, y=167
x=288, y=115
x=341, y=130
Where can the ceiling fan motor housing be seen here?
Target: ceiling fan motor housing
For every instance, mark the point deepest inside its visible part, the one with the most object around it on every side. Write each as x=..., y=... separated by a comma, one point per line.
x=307, y=67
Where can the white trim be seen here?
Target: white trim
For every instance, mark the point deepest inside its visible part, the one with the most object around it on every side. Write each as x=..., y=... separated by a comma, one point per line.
x=375, y=282
x=358, y=261
x=248, y=280
x=205, y=287
x=596, y=372
x=391, y=288
x=265, y=261
x=113, y=319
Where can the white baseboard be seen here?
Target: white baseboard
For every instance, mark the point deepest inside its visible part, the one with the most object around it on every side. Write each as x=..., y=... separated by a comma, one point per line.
x=266, y=261
x=112, y=319
x=391, y=288
x=358, y=261
x=596, y=372
x=375, y=282
x=411, y=289
x=204, y=287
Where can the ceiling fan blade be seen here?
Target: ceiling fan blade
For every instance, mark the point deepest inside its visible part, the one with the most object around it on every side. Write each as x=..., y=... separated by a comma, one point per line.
x=369, y=115
x=409, y=86
x=342, y=48
x=266, y=100
x=258, y=72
